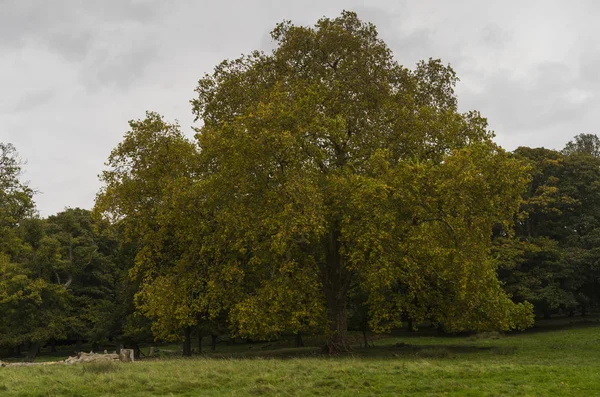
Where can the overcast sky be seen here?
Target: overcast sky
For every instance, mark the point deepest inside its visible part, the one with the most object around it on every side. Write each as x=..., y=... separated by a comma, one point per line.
x=72, y=73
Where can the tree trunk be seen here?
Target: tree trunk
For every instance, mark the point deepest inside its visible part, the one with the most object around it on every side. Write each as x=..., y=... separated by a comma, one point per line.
x=336, y=281
x=365, y=339
x=299, y=341
x=78, y=345
x=52, y=345
x=32, y=352
x=187, y=342
x=137, y=352
x=200, y=342
x=337, y=314
x=213, y=342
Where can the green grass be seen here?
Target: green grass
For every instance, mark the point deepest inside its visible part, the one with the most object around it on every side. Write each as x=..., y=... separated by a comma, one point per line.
x=554, y=362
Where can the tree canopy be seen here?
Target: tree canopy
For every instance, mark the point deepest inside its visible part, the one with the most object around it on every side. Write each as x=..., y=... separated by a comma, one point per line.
x=321, y=168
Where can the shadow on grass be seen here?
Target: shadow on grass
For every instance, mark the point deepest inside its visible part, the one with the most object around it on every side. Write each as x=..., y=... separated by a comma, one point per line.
x=424, y=351
x=412, y=348
x=541, y=325
x=389, y=351
x=379, y=352
x=563, y=323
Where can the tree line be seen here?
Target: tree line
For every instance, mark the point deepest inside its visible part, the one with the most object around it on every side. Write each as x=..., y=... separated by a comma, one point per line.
x=327, y=188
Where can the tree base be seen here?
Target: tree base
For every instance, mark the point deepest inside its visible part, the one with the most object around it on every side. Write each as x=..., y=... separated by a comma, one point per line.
x=336, y=347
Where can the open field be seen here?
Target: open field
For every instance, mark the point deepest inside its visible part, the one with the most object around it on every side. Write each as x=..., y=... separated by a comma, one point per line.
x=554, y=361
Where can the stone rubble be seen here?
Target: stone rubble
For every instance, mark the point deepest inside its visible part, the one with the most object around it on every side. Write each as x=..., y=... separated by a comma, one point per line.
x=126, y=355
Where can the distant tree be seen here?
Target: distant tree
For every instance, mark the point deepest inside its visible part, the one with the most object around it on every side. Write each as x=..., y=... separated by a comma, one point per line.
x=33, y=303
x=16, y=198
x=27, y=302
x=88, y=250
x=552, y=261
x=62, y=283
x=583, y=143
x=581, y=181
x=146, y=171
x=534, y=270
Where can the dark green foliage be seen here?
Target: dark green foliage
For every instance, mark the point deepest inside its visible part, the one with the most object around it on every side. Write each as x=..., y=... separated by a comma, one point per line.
x=61, y=278
x=87, y=249
x=552, y=261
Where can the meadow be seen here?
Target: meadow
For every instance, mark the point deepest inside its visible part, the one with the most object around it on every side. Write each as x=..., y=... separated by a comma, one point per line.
x=559, y=359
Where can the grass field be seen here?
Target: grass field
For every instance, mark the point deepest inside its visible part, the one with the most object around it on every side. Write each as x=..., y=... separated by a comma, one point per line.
x=560, y=360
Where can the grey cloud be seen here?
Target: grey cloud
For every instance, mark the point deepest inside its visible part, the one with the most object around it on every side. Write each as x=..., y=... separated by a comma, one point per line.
x=31, y=101
x=118, y=70
x=72, y=45
x=414, y=47
x=495, y=37
x=20, y=20
x=136, y=10
x=552, y=101
x=69, y=27
x=590, y=66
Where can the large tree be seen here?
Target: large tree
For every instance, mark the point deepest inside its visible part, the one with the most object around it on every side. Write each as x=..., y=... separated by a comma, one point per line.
x=147, y=170
x=323, y=169
x=326, y=164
